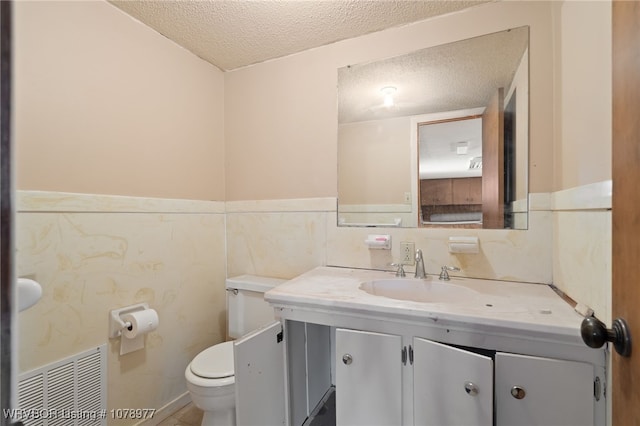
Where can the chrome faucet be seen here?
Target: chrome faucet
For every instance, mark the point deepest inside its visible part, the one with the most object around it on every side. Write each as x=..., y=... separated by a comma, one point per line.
x=400, y=271
x=444, y=274
x=419, y=265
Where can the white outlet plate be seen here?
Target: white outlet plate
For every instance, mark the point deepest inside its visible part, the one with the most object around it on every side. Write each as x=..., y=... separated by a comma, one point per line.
x=407, y=253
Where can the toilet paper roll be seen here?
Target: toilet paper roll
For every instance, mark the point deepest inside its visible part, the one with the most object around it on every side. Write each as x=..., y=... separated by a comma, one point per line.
x=142, y=322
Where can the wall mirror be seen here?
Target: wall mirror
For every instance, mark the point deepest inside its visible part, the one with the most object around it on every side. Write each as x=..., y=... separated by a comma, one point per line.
x=438, y=137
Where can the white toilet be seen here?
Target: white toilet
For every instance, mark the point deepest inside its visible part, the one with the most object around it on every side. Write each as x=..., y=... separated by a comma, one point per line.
x=210, y=376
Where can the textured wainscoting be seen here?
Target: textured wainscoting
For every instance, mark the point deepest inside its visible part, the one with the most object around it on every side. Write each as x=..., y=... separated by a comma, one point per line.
x=94, y=253
x=582, y=245
x=283, y=238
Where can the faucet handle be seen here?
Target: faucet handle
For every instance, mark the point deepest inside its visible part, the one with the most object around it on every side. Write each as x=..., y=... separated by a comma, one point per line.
x=400, y=271
x=444, y=274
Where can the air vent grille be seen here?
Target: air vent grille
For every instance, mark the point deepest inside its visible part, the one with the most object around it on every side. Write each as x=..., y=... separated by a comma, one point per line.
x=68, y=392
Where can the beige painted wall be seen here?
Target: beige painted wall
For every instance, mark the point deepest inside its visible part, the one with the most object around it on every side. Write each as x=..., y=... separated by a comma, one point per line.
x=121, y=110
x=583, y=93
x=105, y=105
x=285, y=111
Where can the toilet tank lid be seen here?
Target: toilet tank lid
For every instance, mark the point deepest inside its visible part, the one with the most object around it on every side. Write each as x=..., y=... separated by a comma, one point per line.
x=253, y=283
x=215, y=362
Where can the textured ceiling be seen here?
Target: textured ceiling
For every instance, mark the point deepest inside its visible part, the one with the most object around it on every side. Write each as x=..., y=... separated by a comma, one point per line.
x=235, y=33
x=450, y=77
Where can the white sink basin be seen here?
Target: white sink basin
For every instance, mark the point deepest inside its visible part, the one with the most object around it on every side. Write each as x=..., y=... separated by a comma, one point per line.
x=418, y=290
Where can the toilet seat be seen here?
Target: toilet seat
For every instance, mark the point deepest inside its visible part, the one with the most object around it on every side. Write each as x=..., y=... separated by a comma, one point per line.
x=215, y=362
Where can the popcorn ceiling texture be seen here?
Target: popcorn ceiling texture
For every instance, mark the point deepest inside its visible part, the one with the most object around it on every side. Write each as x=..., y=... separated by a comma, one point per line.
x=233, y=34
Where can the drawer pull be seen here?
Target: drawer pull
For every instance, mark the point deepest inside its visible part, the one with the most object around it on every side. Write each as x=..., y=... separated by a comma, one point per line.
x=347, y=359
x=471, y=388
x=518, y=392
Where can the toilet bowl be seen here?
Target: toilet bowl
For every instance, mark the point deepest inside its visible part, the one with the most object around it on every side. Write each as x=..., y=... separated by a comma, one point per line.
x=210, y=375
x=211, y=383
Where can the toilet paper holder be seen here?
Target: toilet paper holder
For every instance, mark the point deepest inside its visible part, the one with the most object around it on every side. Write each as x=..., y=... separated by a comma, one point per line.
x=116, y=324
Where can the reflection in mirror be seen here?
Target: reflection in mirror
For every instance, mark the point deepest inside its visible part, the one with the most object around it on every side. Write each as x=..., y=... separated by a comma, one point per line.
x=437, y=137
x=450, y=171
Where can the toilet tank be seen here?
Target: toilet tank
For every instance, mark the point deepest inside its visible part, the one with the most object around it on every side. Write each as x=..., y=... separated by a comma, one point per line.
x=246, y=307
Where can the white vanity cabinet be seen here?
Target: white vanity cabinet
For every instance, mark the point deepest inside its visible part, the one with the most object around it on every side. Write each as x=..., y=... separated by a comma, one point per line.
x=510, y=355
x=455, y=386
x=369, y=388
x=368, y=378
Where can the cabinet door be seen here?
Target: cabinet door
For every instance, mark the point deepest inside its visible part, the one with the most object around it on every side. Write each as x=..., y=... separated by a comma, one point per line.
x=542, y=391
x=451, y=386
x=368, y=378
x=259, y=369
x=467, y=190
x=435, y=192
x=475, y=190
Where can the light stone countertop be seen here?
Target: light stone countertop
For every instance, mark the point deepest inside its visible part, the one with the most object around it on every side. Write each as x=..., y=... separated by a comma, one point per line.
x=493, y=306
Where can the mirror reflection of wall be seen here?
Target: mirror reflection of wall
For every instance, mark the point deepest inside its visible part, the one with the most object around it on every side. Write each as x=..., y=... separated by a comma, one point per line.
x=376, y=186
x=381, y=102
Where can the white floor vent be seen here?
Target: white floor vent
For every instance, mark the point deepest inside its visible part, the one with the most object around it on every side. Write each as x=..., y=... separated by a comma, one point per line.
x=69, y=392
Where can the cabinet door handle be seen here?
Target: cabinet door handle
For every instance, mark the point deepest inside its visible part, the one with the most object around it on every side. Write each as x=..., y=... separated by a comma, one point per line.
x=347, y=359
x=471, y=388
x=518, y=392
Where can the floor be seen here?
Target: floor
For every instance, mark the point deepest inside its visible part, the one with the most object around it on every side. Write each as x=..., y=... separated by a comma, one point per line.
x=326, y=415
x=189, y=415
